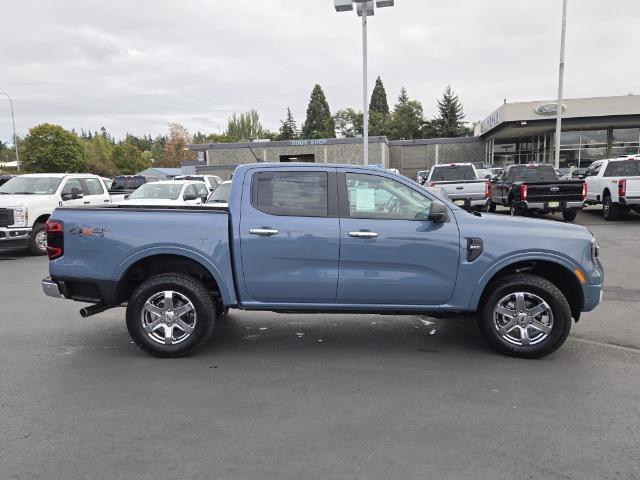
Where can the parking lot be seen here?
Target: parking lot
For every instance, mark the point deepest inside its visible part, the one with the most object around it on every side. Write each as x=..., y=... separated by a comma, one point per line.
x=320, y=396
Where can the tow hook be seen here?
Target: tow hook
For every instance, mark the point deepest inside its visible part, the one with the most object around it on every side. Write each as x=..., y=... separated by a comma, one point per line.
x=94, y=309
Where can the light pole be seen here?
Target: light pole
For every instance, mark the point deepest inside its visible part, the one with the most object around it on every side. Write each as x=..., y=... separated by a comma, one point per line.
x=15, y=137
x=560, y=84
x=364, y=8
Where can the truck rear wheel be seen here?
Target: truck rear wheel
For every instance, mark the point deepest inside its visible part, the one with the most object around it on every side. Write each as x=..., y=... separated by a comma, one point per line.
x=569, y=215
x=170, y=315
x=515, y=210
x=38, y=240
x=610, y=210
x=525, y=316
x=491, y=207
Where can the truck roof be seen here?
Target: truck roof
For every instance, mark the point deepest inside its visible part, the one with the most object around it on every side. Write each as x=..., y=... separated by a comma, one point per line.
x=60, y=175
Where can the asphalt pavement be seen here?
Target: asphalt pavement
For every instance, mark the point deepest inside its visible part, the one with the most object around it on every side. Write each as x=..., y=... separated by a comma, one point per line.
x=319, y=396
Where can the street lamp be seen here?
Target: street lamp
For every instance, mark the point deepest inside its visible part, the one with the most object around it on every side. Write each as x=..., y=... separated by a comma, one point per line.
x=364, y=8
x=15, y=137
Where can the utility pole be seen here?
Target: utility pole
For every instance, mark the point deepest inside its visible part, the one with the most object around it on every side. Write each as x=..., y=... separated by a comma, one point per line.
x=560, y=84
x=365, y=90
x=15, y=137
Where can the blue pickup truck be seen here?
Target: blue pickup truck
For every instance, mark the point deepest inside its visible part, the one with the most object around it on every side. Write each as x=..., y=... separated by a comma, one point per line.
x=323, y=238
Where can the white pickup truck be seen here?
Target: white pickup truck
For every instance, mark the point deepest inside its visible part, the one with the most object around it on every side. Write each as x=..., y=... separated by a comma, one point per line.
x=27, y=201
x=461, y=183
x=614, y=183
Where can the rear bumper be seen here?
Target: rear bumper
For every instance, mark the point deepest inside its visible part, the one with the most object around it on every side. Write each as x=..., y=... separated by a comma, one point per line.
x=545, y=206
x=469, y=202
x=630, y=201
x=50, y=288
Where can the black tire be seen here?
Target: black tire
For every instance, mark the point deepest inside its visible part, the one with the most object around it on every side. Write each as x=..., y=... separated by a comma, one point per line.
x=569, y=215
x=491, y=207
x=34, y=245
x=610, y=210
x=529, y=284
x=185, y=285
x=515, y=210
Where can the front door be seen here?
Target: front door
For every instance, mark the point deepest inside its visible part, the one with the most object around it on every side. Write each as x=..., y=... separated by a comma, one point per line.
x=389, y=252
x=73, y=185
x=290, y=235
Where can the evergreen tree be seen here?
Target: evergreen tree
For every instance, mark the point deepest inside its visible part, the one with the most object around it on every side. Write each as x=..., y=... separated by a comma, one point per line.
x=378, y=103
x=319, y=122
x=245, y=126
x=407, y=119
x=288, y=128
x=450, y=119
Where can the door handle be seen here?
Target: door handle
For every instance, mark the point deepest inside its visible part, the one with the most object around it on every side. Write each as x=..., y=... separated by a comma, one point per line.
x=87, y=203
x=363, y=234
x=263, y=232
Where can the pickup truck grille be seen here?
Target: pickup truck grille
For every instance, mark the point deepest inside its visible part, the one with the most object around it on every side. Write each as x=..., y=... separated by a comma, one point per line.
x=6, y=217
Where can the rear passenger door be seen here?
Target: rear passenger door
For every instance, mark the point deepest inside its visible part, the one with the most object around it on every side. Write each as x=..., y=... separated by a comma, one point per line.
x=94, y=192
x=289, y=235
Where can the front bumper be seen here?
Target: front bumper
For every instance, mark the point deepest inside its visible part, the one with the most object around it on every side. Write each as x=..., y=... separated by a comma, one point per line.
x=592, y=297
x=9, y=234
x=562, y=206
x=51, y=289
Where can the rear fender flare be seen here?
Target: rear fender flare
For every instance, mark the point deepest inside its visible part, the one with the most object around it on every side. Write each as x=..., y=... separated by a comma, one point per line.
x=182, y=252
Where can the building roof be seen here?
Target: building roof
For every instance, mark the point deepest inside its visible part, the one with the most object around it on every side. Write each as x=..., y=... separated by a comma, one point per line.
x=167, y=172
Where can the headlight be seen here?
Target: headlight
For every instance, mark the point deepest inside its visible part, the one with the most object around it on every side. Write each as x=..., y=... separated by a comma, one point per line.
x=20, y=217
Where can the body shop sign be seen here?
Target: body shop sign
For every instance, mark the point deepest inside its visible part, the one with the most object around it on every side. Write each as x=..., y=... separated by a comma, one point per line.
x=548, y=109
x=299, y=143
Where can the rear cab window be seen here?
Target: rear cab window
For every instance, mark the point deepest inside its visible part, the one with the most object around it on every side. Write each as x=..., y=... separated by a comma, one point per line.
x=301, y=194
x=625, y=168
x=450, y=173
x=532, y=173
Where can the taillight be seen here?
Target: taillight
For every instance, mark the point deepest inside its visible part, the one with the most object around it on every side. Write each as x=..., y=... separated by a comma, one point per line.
x=55, y=239
x=487, y=189
x=622, y=187
x=523, y=192
x=584, y=191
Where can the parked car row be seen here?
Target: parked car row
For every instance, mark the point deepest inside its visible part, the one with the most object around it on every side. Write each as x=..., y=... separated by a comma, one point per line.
x=540, y=188
x=27, y=201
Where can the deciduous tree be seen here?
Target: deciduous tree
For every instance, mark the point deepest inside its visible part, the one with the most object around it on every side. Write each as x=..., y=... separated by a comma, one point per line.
x=128, y=159
x=175, y=147
x=51, y=148
x=349, y=123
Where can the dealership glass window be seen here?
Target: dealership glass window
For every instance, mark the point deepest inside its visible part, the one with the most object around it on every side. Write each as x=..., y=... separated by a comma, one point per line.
x=302, y=194
x=625, y=141
x=579, y=148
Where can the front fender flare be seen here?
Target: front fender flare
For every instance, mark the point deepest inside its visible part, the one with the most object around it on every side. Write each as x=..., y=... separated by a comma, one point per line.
x=563, y=261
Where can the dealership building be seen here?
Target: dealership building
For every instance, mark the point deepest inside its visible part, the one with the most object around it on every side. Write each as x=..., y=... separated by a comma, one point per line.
x=517, y=132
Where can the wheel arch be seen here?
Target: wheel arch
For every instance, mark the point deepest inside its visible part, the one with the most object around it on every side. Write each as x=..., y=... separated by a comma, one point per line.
x=142, y=265
x=42, y=218
x=558, y=271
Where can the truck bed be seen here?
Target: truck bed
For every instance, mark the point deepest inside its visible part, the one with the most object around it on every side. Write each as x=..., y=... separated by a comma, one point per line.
x=200, y=233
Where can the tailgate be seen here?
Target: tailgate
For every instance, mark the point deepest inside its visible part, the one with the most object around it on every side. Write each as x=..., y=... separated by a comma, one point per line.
x=633, y=187
x=556, y=191
x=471, y=189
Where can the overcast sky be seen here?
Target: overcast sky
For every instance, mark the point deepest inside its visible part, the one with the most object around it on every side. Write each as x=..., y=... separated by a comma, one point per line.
x=134, y=66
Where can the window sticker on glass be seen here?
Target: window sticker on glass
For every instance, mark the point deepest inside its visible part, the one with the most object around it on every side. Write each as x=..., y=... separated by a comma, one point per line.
x=365, y=200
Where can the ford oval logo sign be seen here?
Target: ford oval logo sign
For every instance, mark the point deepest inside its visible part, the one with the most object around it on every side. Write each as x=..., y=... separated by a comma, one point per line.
x=548, y=109
x=555, y=189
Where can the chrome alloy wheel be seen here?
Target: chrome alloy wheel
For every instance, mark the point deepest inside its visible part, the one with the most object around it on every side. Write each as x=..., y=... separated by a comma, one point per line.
x=168, y=317
x=41, y=240
x=523, y=319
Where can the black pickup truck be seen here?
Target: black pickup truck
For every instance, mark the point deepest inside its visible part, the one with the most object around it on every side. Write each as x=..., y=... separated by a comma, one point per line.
x=536, y=188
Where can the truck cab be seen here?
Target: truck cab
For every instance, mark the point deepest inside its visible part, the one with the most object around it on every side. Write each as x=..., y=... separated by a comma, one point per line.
x=614, y=184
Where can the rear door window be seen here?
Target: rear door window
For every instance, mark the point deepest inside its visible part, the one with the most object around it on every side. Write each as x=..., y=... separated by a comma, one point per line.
x=93, y=186
x=301, y=194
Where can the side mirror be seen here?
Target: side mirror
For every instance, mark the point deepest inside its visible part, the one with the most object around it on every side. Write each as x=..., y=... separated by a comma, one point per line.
x=126, y=197
x=439, y=213
x=189, y=196
x=76, y=193
x=204, y=197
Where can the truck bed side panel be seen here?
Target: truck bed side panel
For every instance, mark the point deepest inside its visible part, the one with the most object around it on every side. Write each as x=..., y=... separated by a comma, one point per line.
x=129, y=235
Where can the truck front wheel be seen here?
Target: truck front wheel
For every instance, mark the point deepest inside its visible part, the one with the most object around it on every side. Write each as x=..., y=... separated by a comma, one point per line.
x=525, y=316
x=170, y=315
x=38, y=240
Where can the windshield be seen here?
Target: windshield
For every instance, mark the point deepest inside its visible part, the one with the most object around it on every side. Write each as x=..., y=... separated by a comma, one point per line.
x=158, y=191
x=536, y=173
x=220, y=194
x=31, y=186
x=452, y=173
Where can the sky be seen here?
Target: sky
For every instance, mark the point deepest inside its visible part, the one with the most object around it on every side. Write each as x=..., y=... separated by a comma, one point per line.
x=135, y=66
